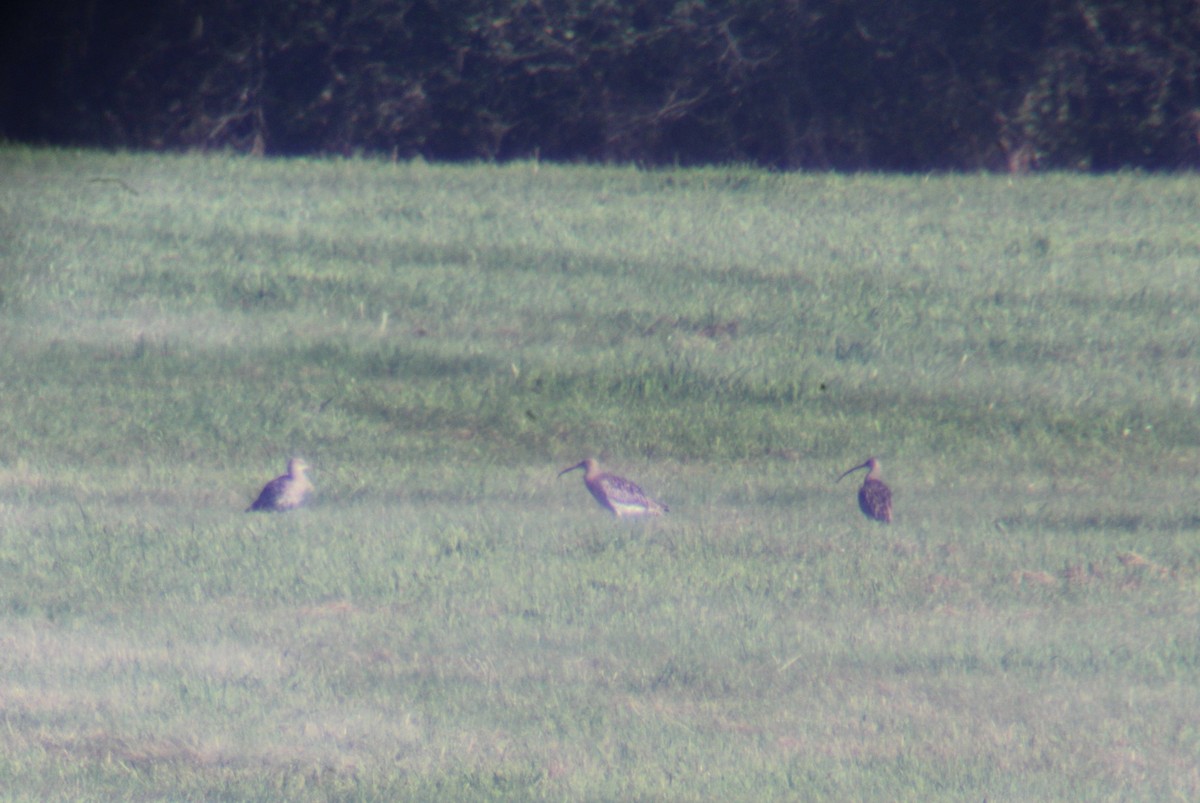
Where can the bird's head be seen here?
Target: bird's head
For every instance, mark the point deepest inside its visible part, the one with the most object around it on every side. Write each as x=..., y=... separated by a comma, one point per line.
x=588, y=465
x=872, y=465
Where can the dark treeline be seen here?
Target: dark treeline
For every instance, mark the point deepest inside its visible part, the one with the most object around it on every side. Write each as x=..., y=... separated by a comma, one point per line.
x=847, y=84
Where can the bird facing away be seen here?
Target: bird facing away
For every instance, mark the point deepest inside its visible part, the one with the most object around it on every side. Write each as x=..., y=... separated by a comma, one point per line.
x=287, y=492
x=616, y=494
x=874, y=498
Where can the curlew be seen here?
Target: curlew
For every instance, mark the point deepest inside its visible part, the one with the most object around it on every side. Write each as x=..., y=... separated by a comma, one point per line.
x=286, y=492
x=616, y=494
x=874, y=498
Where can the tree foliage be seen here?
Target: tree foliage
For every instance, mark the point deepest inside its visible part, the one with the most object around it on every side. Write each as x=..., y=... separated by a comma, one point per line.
x=1004, y=84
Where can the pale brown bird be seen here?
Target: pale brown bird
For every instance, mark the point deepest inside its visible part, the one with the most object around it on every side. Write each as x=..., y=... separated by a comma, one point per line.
x=874, y=498
x=286, y=492
x=616, y=494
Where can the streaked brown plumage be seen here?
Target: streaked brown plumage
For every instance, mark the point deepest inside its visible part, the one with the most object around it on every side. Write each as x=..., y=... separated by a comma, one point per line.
x=616, y=494
x=286, y=492
x=874, y=498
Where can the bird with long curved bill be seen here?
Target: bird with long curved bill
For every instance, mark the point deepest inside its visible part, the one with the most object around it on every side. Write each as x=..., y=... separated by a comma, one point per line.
x=874, y=498
x=286, y=492
x=617, y=495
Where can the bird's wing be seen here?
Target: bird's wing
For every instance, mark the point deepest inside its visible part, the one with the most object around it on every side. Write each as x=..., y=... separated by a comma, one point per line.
x=878, y=498
x=268, y=498
x=622, y=491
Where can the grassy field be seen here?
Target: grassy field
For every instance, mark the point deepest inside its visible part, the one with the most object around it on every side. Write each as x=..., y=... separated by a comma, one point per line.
x=450, y=620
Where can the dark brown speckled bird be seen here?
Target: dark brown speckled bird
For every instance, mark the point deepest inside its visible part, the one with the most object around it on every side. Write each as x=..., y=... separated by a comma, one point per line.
x=874, y=498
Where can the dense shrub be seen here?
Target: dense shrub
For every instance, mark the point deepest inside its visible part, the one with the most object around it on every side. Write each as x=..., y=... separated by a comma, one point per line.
x=920, y=84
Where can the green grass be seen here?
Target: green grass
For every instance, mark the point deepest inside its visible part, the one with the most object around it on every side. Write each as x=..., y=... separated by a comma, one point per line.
x=450, y=620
